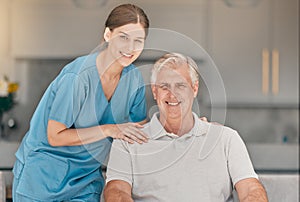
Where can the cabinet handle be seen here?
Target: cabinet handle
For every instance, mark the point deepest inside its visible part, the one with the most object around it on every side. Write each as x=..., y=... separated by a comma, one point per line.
x=275, y=72
x=265, y=70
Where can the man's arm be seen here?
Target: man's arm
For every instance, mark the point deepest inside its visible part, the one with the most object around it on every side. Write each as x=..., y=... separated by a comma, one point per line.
x=251, y=189
x=117, y=191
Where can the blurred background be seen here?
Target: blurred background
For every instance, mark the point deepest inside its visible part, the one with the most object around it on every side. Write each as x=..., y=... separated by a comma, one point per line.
x=253, y=43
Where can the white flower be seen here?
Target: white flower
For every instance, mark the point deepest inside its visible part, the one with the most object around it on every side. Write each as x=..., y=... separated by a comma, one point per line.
x=3, y=88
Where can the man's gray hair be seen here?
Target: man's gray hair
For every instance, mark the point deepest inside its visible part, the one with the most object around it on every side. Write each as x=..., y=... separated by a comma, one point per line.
x=172, y=60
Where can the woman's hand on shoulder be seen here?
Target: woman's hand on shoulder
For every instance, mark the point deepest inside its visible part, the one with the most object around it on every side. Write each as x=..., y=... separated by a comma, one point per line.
x=205, y=119
x=130, y=132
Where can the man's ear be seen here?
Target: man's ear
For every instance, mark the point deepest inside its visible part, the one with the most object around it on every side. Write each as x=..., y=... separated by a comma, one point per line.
x=196, y=88
x=153, y=88
x=107, y=34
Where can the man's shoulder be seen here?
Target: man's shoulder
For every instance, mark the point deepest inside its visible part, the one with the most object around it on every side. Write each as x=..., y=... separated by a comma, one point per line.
x=216, y=136
x=217, y=132
x=217, y=127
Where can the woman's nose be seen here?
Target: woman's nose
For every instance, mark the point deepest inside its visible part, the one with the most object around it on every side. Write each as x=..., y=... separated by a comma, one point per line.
x=130, y=46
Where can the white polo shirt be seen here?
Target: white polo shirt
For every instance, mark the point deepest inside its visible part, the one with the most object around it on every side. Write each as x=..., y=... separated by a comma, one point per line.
x=202, y=165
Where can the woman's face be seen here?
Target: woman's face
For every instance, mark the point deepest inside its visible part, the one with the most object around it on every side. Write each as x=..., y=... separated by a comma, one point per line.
x=125, y=43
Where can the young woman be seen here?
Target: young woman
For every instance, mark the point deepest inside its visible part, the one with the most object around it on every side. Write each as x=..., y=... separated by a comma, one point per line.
x=95, y=98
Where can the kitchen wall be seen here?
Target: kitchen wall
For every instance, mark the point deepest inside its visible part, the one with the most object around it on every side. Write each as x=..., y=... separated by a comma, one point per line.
x=255, y=125
x=265, y=125
x=39, y=37
x=6, y=61
x=34, y=76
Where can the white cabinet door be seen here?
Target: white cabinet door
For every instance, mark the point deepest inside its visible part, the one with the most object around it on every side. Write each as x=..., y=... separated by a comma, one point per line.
x=286, y=41
x=238, y=38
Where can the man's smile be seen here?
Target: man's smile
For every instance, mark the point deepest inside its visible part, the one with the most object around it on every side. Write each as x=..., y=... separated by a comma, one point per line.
x=173, y=103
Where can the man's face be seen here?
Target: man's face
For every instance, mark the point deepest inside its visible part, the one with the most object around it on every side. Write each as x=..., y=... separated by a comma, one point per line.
x=174, y=92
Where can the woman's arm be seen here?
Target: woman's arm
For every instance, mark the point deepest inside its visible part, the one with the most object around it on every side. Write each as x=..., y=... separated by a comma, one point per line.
x=59, y=135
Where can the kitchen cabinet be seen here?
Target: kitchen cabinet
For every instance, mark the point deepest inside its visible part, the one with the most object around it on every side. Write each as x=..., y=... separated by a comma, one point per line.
x=2, y=188
x=9, y=149
x=256, y=51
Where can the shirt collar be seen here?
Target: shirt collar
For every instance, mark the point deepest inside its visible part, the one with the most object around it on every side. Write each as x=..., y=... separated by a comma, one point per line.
x=157, y=130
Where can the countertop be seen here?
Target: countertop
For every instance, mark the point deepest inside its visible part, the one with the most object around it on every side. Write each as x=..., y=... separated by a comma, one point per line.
x=274, y=157
x=265, y=156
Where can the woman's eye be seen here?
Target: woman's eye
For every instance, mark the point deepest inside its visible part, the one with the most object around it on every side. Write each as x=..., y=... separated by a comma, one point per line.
x=123, y=37
x=139, y=44
x=139, y=41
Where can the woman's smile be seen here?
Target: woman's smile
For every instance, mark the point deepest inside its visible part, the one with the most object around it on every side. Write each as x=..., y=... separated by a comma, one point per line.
x=126, y=55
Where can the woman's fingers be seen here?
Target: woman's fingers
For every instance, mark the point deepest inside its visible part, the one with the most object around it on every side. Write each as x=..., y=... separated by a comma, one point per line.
x=133, y=138
x=139, y=133
x=127, y=139
x=135, y=134
x=203, y=119
x=130, y=132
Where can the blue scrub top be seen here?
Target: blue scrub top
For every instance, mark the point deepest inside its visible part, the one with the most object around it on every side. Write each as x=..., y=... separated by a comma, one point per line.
x=76, y=99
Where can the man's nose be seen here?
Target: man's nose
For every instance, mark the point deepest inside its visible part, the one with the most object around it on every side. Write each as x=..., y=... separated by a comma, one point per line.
x=173, y=92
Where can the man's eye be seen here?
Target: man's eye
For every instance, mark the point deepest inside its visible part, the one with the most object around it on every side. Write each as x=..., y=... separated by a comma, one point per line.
x=163, y=87
x=181, y=86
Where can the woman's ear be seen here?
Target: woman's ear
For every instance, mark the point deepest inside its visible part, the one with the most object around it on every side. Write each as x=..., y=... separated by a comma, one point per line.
x=107, y=34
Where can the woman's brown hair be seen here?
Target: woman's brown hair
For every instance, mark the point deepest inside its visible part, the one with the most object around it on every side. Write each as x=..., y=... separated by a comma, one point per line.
x=126, y=14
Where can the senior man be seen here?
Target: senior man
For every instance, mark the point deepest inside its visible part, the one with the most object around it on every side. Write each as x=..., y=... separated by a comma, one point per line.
x=185, y=159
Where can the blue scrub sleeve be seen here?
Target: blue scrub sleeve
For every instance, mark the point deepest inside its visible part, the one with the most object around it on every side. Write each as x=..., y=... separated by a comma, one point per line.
x=138, y=111
x=69, y=96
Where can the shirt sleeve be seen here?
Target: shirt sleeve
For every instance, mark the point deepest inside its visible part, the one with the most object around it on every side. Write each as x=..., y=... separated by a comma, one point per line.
x=68, y=98
x=119, y=165
x=239, y=163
